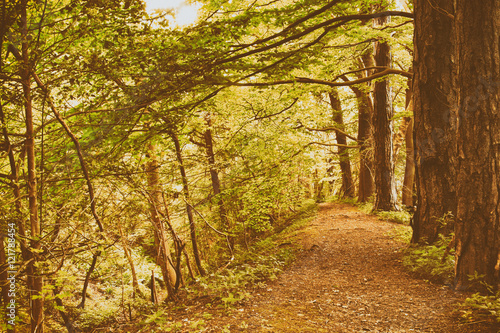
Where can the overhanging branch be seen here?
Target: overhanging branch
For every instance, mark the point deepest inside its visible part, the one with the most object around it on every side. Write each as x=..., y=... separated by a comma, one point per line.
x=383, y=73
x=324, y=24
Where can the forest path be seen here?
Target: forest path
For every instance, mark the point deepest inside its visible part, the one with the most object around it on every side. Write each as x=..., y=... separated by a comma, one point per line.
x=349, y=278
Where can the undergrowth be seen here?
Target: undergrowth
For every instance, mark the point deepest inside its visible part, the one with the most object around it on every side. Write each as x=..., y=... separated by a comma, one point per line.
x=231, y=285
x=431, y=261
x=478, y=307
x=481, y=306
x=400, y=216
x=261, y=262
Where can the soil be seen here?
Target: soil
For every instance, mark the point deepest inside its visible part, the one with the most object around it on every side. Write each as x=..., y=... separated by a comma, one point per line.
x=348, y=278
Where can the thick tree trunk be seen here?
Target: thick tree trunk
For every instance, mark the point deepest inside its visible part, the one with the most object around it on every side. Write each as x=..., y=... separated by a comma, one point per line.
x=434, y=119
x=344, y=161
x=189, y=209
x=383, y=156
x=477, y=24
x=163, y=258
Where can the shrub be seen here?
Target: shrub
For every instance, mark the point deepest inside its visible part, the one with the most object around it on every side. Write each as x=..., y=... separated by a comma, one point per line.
x=480, y=306
x=431, y=261
x=101, y=313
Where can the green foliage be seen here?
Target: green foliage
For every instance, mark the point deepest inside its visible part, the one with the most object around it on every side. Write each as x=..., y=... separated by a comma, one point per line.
x=121, y=79
x=102, y=313
x=401, y=217
x=251, y=269
x=232, y=299
x=401, y=233
x=430, y=262
x=262, y=262
x=160, y=320
x=481, y=306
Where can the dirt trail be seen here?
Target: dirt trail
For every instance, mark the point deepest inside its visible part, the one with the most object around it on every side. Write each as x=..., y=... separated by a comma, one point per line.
x=349, y=278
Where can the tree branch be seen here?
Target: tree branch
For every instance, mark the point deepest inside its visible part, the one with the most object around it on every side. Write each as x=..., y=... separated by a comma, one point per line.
x=342, y=19
x=383, y=73
x=77, y=148
x=328, y=129
x=331, y=145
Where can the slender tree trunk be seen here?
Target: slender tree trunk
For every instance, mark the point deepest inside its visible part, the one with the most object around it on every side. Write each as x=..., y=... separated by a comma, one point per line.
x=477, y=24
x=345, y=163
x=64, y=315
x=435, y=122
x=317, y=187
x=409, y=179
x=189, y=209
x=214, y=175
x=399, y=138
x=126, y=250
x=4, y=267
x=19, y=219
x=365, y=133
x=383, y=113
x=163, y=258
x=34, y=278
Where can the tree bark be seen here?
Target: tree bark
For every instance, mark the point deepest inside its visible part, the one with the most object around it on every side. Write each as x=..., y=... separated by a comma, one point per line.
x=19, y=218
x=4, y=267
x=214, y=175
x=383, y=155
x=399, y=138
x=477, y=24
x=409, y=179
x=343, y=151
x=34, y=278
x=365, y=133
x=189, y=209
x=135, y=281
x=434, y=119
x=163, y=257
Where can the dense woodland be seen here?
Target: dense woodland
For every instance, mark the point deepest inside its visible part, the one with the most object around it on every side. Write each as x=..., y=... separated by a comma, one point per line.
x=133, y=150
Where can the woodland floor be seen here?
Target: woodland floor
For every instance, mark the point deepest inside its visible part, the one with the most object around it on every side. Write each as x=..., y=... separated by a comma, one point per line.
x=348, y=277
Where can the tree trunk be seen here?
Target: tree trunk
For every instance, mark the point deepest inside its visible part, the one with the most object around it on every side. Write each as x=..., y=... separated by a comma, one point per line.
x=19, y=218
x=434, y=119
x=365, y=134
x=214, y=175
x=399, y=138
x=189, y=209
x=383, y=155
x=317, y=187
x=135, y=281
x=477, y=24
x=34, y=278
x=163, y=258
x=4, y=282
x=409, y=179
x=345, y=163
